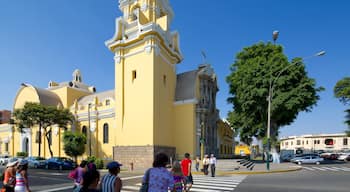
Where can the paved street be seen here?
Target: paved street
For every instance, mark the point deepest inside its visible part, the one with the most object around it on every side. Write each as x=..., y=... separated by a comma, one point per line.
x=324, y=177
x=312, y=178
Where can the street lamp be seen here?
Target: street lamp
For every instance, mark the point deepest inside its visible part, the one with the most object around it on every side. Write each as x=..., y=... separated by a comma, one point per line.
x=89, y=106
x=269, y=99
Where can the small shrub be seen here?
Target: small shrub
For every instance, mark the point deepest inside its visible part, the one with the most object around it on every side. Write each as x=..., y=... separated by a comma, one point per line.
x=22, y=154
x=91, y=159
x=99, y=163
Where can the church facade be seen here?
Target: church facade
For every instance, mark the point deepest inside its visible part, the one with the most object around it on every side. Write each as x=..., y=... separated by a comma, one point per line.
x=152, y=108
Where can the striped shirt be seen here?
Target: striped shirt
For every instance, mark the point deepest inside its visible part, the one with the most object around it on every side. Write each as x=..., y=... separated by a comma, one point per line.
x=19, y=179
x=107, y=183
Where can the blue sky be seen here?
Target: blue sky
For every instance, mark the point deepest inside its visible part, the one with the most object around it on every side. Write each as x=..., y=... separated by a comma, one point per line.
x=45, y=40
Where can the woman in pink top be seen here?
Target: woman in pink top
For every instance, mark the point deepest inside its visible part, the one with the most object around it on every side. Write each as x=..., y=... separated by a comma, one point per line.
x=21, y=177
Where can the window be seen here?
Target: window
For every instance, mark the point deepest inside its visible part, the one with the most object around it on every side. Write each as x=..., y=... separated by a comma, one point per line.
x=329, y=142
x=164, y=80
x=286, y=143
x=307, y=142
x=133, y=75
x=6, y=147
x=291, y=143
x=345, y=141
x=298, y=142
x=108, y=102
x=37, y=137
x=105, y=133
x=84, y=131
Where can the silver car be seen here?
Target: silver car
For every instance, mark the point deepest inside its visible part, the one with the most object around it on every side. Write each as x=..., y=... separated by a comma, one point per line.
x=308, y=159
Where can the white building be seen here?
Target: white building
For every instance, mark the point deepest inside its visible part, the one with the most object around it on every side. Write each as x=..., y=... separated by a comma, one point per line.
x=310, y=143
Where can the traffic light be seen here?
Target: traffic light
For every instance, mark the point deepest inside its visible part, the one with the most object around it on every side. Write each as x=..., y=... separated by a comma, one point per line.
x=329, y=142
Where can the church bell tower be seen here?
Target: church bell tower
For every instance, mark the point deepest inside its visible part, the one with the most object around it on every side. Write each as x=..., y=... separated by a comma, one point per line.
x=145, y=55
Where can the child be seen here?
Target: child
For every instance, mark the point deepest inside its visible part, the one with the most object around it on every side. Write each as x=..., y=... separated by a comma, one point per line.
x=178, y=177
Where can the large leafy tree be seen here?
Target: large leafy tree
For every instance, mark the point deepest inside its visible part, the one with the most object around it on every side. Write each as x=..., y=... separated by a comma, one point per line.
x=342, y=92
x=74, y=143
x=251, y=73
x=45, y=117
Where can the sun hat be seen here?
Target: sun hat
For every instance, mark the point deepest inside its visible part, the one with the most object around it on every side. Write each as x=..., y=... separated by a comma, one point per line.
x=12, y=162
x=113, y=164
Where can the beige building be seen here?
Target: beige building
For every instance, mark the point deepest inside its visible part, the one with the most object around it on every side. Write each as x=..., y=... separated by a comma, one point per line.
x=310, y=143
x=225, y=139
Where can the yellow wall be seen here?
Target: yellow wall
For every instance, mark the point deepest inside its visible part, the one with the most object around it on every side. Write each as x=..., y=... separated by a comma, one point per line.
x=184, y=131
x=135, y=107
x=68, y=95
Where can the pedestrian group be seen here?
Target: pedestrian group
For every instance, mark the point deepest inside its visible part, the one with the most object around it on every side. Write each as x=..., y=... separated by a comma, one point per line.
x=86, y=177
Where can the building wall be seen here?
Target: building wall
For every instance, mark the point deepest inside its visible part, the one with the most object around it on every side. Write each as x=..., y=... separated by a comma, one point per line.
x=6, y=141
x=68, y=95
x=316, y=142
x=135, y=109
x=225, y=139
x=184, y=130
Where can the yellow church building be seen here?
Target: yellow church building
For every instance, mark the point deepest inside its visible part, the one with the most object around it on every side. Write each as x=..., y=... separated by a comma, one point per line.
x=152, y=108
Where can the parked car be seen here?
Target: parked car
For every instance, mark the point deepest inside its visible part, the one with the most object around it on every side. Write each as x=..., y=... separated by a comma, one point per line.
x=59, y=163
x=344, y=157
x=36, y=162
x=308, y=159
x=4, y=159
x=330, y=156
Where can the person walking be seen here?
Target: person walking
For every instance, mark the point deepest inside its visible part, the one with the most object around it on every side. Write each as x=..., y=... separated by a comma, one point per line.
x=178, y=176
x=90, y=182
x=159, y=178
x=111, y=182
x=77, y=174
x=22, y=184
x=205, y=164
x=186, y=164
x=197, y=163
x=212, y=163
x=10, y=176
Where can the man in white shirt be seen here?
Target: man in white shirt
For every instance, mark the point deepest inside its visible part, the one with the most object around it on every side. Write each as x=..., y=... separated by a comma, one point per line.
x=212, y=163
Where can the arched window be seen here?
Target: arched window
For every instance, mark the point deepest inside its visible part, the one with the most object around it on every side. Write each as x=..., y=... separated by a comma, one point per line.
x=105, y=133
x=84, y=131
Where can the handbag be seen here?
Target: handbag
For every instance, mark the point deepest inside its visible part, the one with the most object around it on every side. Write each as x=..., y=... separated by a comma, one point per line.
x=144, y=186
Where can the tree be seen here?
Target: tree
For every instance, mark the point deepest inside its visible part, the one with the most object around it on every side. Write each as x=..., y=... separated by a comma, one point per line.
x=251, y=73
x=342, y=92
x=74, y=143
x=45, y=117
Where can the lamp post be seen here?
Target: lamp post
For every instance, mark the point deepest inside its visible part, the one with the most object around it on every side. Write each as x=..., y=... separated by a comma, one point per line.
x=269, y=99
x=89, y=106
x=202, y=140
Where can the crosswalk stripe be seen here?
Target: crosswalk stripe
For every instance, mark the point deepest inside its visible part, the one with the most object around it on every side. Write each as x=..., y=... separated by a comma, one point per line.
x=337, y=168
x=308, y=168
x=330, y=169
x=215, y=181
x=216, y=184
x=327, y=168
x=131, y=187
x=203, y=183
x=319, y=168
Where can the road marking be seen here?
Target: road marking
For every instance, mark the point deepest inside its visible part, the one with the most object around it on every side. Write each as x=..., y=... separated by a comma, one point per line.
x=308, y=168
x=58, y=189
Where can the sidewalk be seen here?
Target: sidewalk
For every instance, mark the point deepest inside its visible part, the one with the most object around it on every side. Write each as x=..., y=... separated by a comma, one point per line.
x=232, y=166
x=228, y=167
